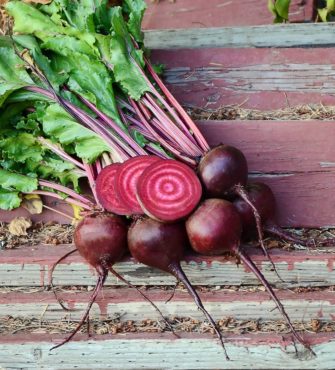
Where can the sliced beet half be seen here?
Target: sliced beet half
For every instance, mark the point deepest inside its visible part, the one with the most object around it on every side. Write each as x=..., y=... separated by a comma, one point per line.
x=127, y=177
x=168, y=190
x=106, y=192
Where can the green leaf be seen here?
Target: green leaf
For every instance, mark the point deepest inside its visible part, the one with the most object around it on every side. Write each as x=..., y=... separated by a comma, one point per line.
x=9, y=199
x=136, y=9
x=124, y=59
x=272, y=8
x=21, y=147
x=323, y=14
x=89, y=78
x=41, y=25
x=282, y=8
x=60, y=126
x=14, y=181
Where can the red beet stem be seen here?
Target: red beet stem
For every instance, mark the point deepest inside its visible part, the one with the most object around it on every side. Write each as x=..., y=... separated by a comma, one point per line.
x=191, y=125
x=240, y=191
x=118, y=276
x=248, y=262
x=176, y=270
x=97, y=289
x=59, y=300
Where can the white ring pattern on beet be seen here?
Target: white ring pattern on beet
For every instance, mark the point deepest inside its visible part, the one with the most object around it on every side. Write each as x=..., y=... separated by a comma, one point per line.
x=172, y=185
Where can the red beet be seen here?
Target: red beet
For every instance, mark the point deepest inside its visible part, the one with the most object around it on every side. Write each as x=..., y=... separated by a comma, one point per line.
x=221, y=169
x=168, y=190
x=162, y=246
x=224, y=172
x=224, y=236
x=126, y=179
x=101, y=239
x=264, y=200
x=106, y=191
x=218, y=218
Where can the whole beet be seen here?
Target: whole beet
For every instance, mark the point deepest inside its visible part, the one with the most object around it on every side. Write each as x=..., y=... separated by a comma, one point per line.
x=102, y=240
x=162, y=246
x=157, y=244
x=214, y=228
x=221, y=169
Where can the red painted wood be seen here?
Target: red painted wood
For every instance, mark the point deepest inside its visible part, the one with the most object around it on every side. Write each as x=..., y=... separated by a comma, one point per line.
x=218, y=13
x=122, y=295
x=254, y=78
x=46, y=255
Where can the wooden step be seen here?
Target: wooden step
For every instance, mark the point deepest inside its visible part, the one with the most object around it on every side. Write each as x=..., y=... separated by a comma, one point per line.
x=163, y=351
x=267, y=78
x=217, y=13
x=30, y=266
x=127, y=304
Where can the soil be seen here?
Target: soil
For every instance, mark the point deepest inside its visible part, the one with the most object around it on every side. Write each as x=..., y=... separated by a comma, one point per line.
x=237, y=112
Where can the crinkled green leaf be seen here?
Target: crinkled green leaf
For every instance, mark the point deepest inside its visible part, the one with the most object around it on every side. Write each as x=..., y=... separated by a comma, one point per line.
x=29, y=20
x=124, y=58
x=9, y=199
x=90, y=78
x=43, y=63
x=14, y=181
x=21, y=147
x=135, y=10
x=59, y=125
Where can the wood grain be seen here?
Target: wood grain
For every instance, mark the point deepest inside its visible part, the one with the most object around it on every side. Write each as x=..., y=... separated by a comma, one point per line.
x=253, y=78
x=129, y=305
x=161, y=352
x=30, y=266
x=277, y=35
x=217, y=13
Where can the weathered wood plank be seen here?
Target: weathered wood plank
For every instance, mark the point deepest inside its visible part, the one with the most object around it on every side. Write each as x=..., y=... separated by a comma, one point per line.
x=255, y=78
x=217, y=13
x=129, y=305
x=29, y=266
x=277, y=35
x=163, y=352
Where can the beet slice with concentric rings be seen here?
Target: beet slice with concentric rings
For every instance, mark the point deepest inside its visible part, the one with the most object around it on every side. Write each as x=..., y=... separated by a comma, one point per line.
x=106, y=191
x=127, y=177
x=168, y=190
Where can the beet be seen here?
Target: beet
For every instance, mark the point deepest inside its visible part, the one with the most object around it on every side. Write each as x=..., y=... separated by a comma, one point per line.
x=106, y=190
x=127, y=177
x=215, y=228
x=218, y=218
x=168, y=190
x=221, y=169
x=101, y=239
x=264, y=200
x=224, y=173
x=162, y=246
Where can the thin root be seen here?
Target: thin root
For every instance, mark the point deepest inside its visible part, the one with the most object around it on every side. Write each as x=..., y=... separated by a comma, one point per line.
x=177, y=271
x=117, y=275
x=240, y=191
x=94, y=295
x=248, y=262
x=59, y=300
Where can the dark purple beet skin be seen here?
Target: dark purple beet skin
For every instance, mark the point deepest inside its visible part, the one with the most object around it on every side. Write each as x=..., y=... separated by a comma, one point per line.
x=221, y=169
x=263, y=199
x=214, y=228
x=101, y=239
x=156, y=244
